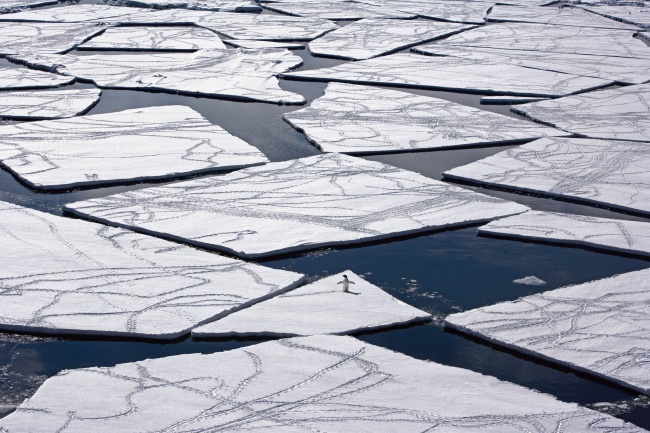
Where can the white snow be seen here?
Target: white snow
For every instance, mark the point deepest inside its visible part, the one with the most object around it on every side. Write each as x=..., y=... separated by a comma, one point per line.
x=23, y=78
x=632, y=237
x=52, y=38
x=253, y=44
x=66, y=276
x=321, y=383
x=637, y=15
x=78, y=13
x=373, y=37
x=601, y=327
x=563, y=16
x=451, y=73
x=238, y=74
x=486, y=100
x=11, y=6
x=289, y=206
x=470, y=12
x=155, y=38
x=47, y=104
x=530, y=281
x=131, y=145
x=318, y=308
x=360, y=119
x=205, y=5
x=618, y=114
x=604, y=172
x=335, y=10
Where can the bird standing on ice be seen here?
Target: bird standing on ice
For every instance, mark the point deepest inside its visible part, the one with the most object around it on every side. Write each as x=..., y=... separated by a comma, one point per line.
x=346, y=283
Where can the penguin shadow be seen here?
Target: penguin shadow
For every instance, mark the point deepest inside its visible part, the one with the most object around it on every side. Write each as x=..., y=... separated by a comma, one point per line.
x=353, y=293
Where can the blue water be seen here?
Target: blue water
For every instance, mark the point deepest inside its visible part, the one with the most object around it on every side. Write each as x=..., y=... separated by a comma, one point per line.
x=441, y=273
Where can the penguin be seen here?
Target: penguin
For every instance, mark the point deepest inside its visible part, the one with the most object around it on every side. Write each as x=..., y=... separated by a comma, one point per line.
x=346, y=283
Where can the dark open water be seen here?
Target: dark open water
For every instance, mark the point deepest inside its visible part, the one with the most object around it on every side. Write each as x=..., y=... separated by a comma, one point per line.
x=441, y=273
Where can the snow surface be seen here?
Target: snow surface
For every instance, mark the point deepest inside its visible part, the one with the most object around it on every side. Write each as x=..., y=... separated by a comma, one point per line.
x=601, y=327
x=77, y=13
x=470, y=12
x=238, y=74
x=451, y=73
x=131, y=145
x=52, y=38
x=619, y=114
x=321, y=383
x=626, y=70
x=11, y=6
x=318, y=308
x=23, y=78
x=205, y=5
x=47, y=104
x=530, y=281
x=335, y=10
x=359, y=119
x=155, y=38
x=565, y=16
x=509, y=99
x=289, y=206
x=98, y=280
x=253, y=44
x=373, y=37
x=632, y=237
x=605, y=172
x=636, y=15
x=552, y=39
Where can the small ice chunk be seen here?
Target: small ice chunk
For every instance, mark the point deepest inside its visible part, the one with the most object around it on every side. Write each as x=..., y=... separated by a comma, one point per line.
x=321, y=383
x=530, y=281
x=318, y=308
x=46, y=104
x=282, y=207
x=155, y=38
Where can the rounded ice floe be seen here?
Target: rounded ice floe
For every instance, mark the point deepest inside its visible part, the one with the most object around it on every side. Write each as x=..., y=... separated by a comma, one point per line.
x=127, y=146
x=47, y=104
x=321, y=307
x=302, y=204
x=530, y=281
x=324, y=383
x=66, y=276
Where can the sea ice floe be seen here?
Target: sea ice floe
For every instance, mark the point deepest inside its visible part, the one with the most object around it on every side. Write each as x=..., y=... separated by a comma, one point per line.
x=23, y=78
x=450, y=73
x=206, y=5
x=625, y=70
x=237, y=74
x=601, y=327
x=131, y=145
x=321, y=383
x=604, y=172
x=530, y=281
x=632, y=237
x=302, y=204
x=470, y=12
x=76, y=13
x=253, y=44
x=318, y=308
x=335, y=10
x=619, y=114
x=636, y=15
x=361, y=119
x=47, y=104
x=11, y=6
x=97, y=280
x=564, y=16
x=552, y=39
x=373, y=37
x=44, y=37
x=155, y=38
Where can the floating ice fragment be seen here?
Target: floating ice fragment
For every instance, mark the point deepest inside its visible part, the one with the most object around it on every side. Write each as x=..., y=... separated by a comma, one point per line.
x=335, y=10
x=320, y=383
x=253, y=44
x=204, y=5
x=23, y=78
x=66, y=276
x=318, y=308
x=470, y=12
x=530, y=281
x=303, y=204
x=564, y=16
x=52, y=38
x=154, y=38
x=131, y=145
x=47, y=104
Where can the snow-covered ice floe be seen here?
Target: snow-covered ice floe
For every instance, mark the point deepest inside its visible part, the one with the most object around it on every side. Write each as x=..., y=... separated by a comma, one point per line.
x=451, y=73
x=552, y=39
x=155, y=38
x=76, y=13
x=204, y=5
x=636, y=15
x=360, y=119
x=254, y=44
x=470, y=12
x=321, y=383
x=603, y=172
x=23, y=78
x=600, y=327
x=632, y=237
x=335, y=10
x=619, y=114
x=11, y=6
x=131, y=145
x=303, y=204
x=530, y=281
x=565, y=16
x=373, y=37
x=47, y=104
x=237, y=74
x=52, y=38
x=625, y=70
x=321, y=307
x=66, y=276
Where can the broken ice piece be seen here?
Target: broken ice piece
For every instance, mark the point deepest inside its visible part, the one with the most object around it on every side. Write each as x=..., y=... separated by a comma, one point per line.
x=155, y=38
x=530, y=281
x=22, y=78
x=47, y=104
